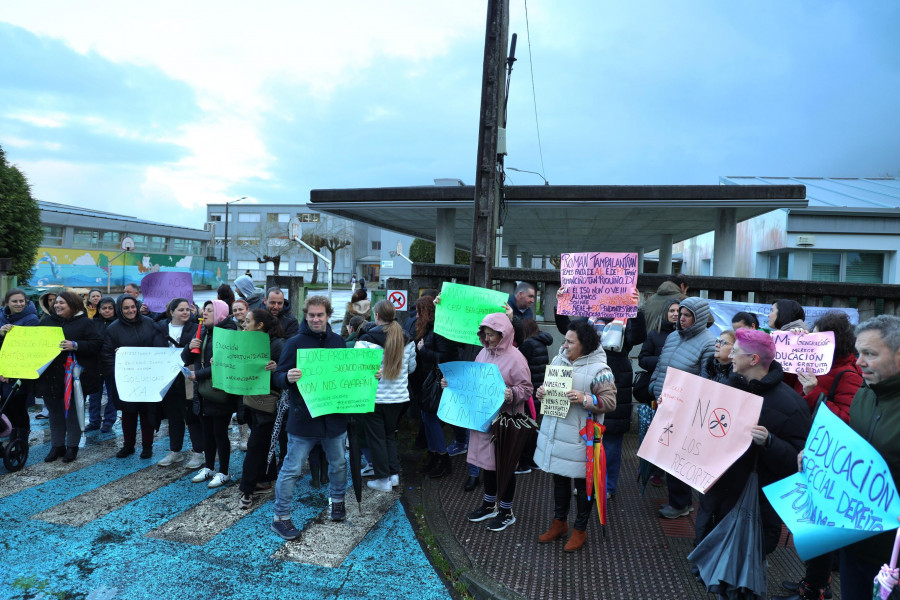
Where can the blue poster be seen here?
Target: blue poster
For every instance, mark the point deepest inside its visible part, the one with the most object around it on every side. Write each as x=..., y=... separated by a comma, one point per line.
x=473, y=396
x=844, y=494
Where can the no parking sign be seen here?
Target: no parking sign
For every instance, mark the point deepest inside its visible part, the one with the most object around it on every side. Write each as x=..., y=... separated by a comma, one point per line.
x=398, y=299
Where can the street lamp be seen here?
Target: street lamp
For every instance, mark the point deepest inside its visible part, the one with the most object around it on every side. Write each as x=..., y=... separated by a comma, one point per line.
x=532, y=172
x=227, y=204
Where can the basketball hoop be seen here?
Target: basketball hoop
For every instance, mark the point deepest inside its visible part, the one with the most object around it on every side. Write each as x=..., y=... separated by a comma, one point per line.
x=127, y=244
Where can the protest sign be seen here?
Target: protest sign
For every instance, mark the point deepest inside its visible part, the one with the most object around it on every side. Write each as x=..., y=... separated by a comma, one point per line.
x=700, y=428
x=239, y=362
x=844, y=494
x=339, y=380
x=598, y=284
x=27, y=351
x=804, y=353
x=162, y=286
x=145, y=374
x=473, y=396
x=723, y=311
x=461, y=310
x=557, y=381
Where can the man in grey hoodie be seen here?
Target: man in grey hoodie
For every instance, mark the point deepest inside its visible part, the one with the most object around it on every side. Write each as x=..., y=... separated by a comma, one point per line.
x=689, y=348
x=244, y=287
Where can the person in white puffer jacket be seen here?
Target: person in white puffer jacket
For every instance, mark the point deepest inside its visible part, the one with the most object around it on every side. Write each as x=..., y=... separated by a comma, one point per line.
x=392, y=396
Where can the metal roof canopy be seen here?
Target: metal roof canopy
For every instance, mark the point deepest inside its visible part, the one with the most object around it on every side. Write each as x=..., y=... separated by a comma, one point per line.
x=554, y=219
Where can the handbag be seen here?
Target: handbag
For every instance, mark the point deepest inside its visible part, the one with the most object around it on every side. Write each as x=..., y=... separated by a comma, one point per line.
x=641, y=388
x=266, y=403
x=432, y=391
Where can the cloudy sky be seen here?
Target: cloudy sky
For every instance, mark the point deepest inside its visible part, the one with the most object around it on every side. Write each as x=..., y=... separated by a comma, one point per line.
x=156, y=109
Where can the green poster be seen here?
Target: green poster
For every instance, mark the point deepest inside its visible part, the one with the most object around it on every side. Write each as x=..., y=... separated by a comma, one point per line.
x=239, y=362
x=27, y=351
x=338, y=380
x=462, y=309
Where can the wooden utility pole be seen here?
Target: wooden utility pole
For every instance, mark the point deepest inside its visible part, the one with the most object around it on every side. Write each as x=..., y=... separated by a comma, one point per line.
x=487, y=176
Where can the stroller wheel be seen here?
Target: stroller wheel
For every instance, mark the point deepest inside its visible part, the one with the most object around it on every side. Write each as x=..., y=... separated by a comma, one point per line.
x=16, y=455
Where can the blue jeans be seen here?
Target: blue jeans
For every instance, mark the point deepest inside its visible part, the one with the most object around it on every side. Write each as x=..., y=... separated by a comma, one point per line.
x=297, y=452
x=612, y=446
x=94, y=408
x=434, y=432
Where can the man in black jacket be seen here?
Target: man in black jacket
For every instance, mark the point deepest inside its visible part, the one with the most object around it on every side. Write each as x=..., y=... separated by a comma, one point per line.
x=278, y=308
x=778, y=437
x=304, y=431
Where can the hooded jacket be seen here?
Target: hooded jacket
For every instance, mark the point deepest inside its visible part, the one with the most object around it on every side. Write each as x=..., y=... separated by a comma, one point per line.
x=656, y=339
x=688, y=349
x=517, y=376
x=299, y=421
x=84, y=333
x=656, y=305
x=536, y=351
x=361, y=308
x=27, y=318
x=560, y=447
x=43, y=300
x=140, y=331
x=391, y=391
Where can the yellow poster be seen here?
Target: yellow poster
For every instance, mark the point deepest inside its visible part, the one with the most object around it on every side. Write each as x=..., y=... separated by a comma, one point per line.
x=557, y=381
x=27, y=351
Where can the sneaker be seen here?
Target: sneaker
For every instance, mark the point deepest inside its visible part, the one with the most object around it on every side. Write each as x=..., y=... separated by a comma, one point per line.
x=670, y=512
x=42, y=416
x=285, y=528
x=92, y=427
x=264, y=488
x=523, y=470
x=203, y=475
x=106, y=429
x=488, y=511
x=218, y=480
x=501, y=521
x=245, y=502
x=195, y=461
x=147, y=452
x=368, y=471
x=125, y=451
x=382, y=485
x=338, y=510
x=395, y=480
x=455, y=449
x=170, y=459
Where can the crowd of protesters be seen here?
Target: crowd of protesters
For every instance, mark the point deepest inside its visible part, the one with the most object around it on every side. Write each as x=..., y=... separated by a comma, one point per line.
x=671, y=328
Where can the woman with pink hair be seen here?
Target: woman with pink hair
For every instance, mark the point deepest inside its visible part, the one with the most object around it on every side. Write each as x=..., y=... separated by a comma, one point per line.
x=216, y=406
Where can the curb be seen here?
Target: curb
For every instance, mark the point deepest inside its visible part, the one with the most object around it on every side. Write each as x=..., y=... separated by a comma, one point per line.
x=478, y=582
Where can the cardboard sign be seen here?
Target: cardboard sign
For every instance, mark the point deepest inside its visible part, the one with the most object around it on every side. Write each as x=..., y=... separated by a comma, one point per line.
x=474, y=394
x=339, y=380
x=598, y=284
x=724, y=310
x=557, y=381
x=239, y=362
x=461, y=310
x=809, y=352
x=27, y=351
x=700, y=428
x=146, y=374
x=163, y=286
x=844, y=494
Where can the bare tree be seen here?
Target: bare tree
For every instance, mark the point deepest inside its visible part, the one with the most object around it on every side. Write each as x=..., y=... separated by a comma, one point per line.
x=329, y=235
x=270, y=244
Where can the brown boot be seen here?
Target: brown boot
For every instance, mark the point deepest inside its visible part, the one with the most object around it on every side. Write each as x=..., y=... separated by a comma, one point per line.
x=576, y=541
x=557, y=530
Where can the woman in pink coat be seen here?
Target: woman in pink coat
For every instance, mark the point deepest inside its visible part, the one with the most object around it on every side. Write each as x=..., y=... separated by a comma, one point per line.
x=496, y=335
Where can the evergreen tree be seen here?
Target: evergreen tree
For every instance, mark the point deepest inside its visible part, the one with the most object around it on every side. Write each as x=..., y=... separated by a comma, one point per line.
x=20, y=221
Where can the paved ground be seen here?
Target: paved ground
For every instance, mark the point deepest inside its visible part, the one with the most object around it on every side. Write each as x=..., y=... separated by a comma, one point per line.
x=103, y=528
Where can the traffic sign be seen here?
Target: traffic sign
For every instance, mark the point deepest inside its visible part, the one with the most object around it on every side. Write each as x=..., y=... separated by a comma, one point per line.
x=398, y=299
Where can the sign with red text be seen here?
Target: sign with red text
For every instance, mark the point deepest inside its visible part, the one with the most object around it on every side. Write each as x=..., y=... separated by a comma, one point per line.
x=805, y=352
x=700, y=428
x=598, y=284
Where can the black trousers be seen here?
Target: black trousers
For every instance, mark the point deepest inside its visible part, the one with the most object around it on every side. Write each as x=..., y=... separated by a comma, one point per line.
x=215, y=440
x=490, y=486
x=255, y=468
x=179, y=412
x=562, y=499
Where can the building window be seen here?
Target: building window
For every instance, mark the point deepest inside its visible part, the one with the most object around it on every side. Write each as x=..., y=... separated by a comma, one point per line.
x=247, y=265
x=376, y=245
x=278, y=217
x=53, y=235
x=308, y=217
x=303, y=266
x=778, y=266
x=85, y=238
x=850, y=267
x=248, y=217
x=183, y=246
x=219, y=217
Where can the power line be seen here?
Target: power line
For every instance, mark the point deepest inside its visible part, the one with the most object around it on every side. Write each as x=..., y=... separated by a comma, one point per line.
x=534, y=95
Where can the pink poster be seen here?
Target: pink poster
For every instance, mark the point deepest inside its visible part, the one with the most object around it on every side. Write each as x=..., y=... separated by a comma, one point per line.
x=598, y=284
x=805, y=352
x=700, y=429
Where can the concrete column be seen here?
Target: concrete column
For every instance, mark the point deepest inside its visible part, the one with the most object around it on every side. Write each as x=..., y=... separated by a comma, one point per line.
x=665, y=254
x=511, y=256
x=545, y=264
x=548, y=301
x=445, y=236
x=725, y=245
x=640, y=253
x=526, y=260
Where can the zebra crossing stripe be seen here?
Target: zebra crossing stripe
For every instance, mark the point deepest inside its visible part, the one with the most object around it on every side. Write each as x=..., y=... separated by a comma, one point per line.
x=105, y=499
x=326, y=543
x=204, y=521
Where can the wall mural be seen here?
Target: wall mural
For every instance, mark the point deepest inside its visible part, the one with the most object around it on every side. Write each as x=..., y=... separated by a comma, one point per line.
x=94, y=268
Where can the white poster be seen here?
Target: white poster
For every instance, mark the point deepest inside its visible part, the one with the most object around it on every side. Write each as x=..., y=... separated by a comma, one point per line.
x=145, y=374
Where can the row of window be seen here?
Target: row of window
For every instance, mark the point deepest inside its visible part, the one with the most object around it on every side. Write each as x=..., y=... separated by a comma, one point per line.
x=93, y=239
x=285, y=265
x=850, y=267
x=250, y=217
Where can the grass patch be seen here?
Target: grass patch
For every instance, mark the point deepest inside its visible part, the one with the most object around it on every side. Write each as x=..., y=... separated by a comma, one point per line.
x=32, y=587
x=437, y=558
